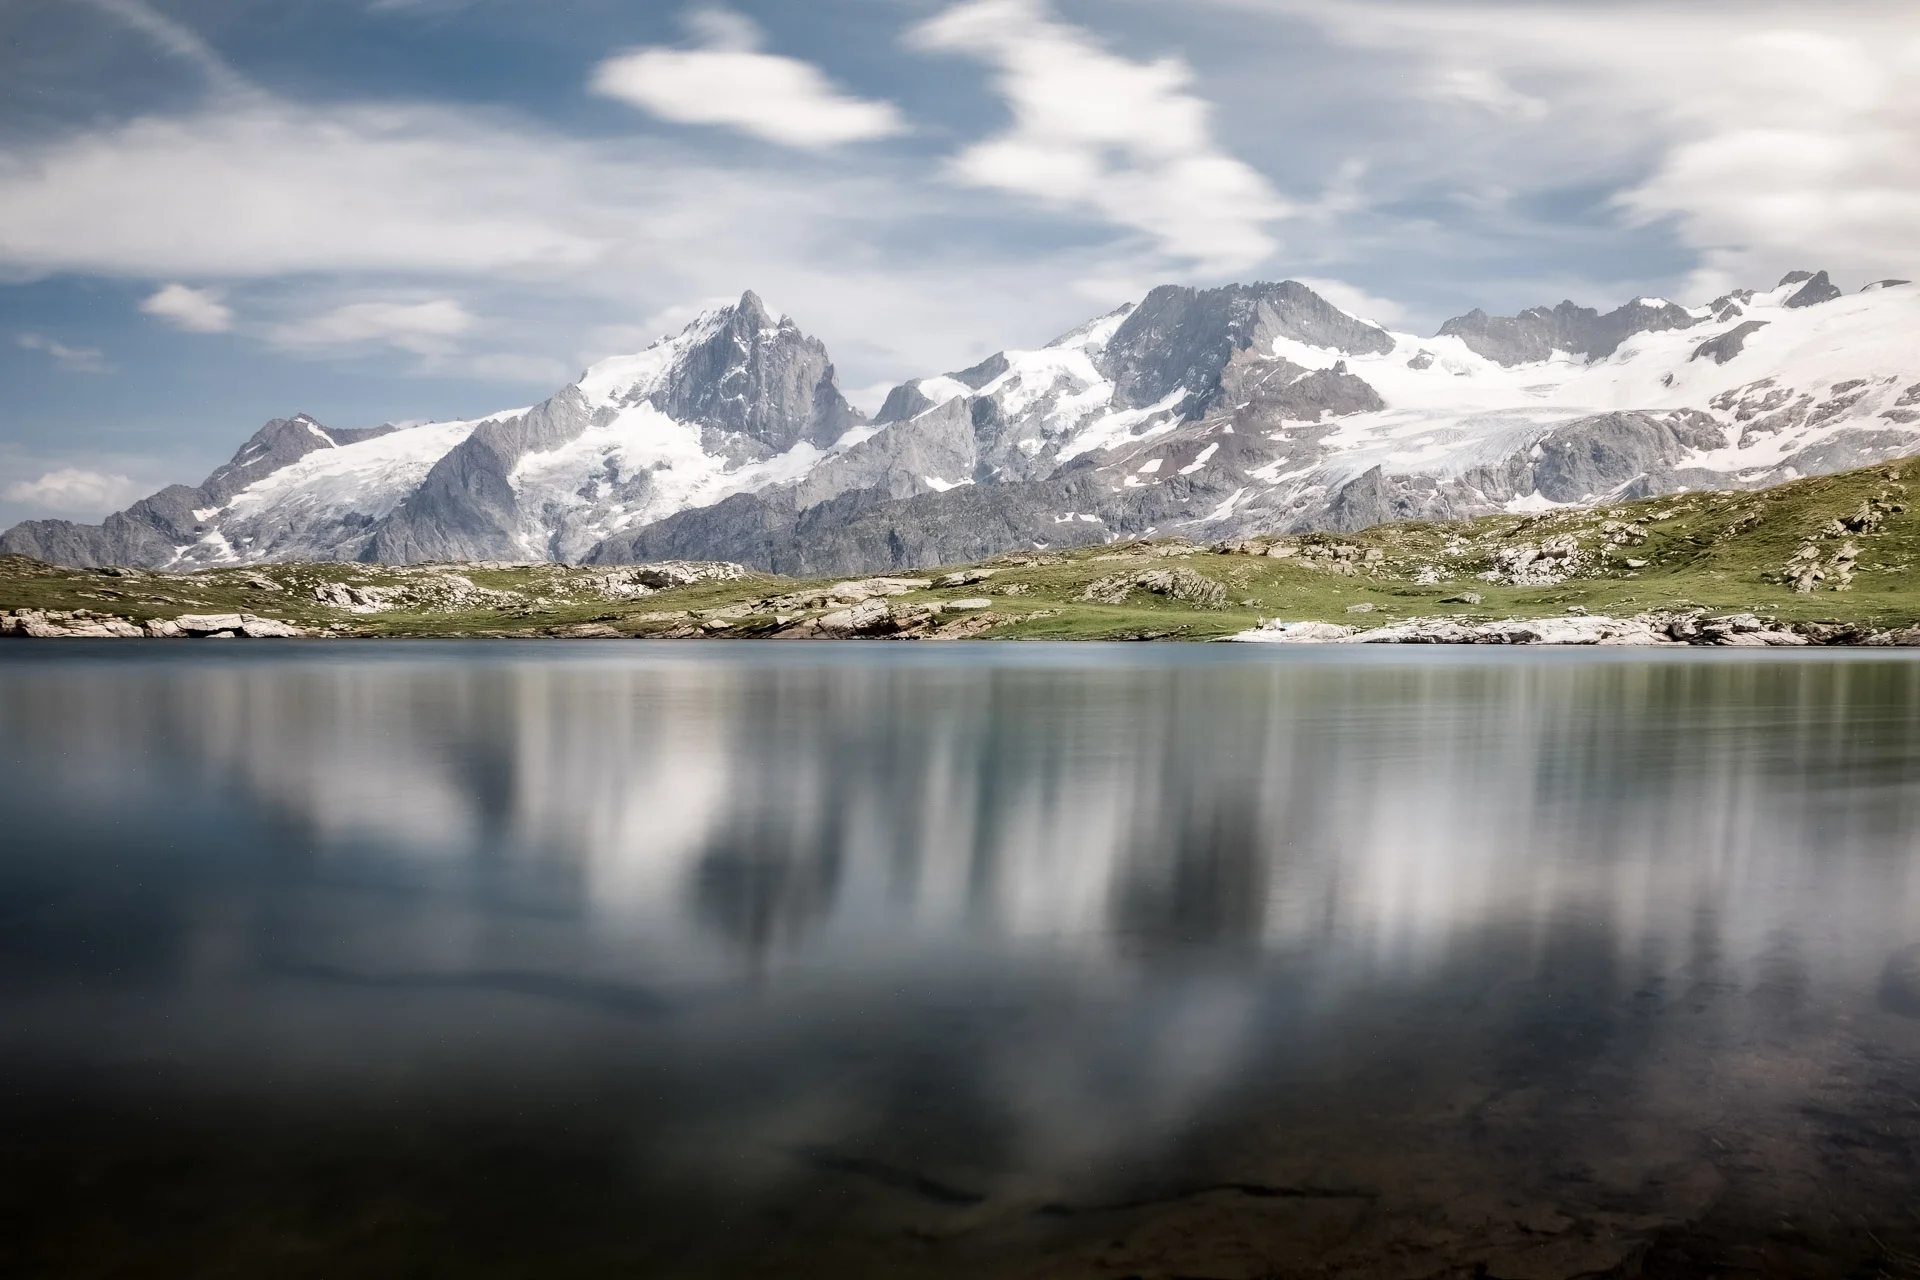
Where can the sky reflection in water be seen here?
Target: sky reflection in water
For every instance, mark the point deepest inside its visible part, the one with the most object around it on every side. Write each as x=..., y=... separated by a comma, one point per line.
x=928, y=959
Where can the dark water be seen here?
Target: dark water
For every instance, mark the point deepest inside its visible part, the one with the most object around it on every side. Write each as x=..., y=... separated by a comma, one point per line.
x=628, y=960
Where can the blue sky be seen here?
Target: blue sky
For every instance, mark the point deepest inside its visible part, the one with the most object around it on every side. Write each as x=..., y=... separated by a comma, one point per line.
x=213, y=212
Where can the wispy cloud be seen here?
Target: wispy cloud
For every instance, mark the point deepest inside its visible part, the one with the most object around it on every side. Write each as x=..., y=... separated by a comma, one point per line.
x=730, y=82
x=1128, y=142
x=180, y=42
x=431, y=328
x=72, y=359
x=195, y=310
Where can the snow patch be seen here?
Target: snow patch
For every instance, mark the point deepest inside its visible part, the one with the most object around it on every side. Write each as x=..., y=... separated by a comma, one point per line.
x=1200, y=460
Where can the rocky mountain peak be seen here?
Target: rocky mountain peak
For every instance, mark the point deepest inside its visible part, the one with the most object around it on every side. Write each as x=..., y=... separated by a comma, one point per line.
x=740, y=370
x=275, y=445
x=760, y=377
x=1182, y=338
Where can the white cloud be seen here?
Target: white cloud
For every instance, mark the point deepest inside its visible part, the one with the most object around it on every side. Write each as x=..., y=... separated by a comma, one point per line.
x=74, y=491
x=1356, y=302
x=424, y=328
x=1768, y=138
x=195, y=310
x=72, y=359
x=1094, y=132
x=265, y=188
x=731, y=83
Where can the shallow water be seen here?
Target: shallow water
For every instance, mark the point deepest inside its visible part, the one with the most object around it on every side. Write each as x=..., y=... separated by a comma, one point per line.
x=892, y=960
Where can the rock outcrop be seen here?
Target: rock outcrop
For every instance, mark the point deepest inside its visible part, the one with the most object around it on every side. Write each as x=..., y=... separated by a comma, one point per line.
x=84, y=624
x=1660, y=628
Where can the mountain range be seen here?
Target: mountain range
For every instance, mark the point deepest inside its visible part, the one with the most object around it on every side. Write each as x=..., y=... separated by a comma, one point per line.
x=1212, y=413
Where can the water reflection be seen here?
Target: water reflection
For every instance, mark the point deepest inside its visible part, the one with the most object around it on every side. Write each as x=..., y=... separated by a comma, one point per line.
x=935, y=961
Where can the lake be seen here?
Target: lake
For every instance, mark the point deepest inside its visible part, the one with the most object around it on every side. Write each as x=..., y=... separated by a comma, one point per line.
x=866, y=960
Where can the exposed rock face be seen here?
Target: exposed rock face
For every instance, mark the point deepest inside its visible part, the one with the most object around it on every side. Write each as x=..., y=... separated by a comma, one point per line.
x=1816, y=290
x=759, y=377
x=1582, y=331
x=1181, y=339
x=1729, y=344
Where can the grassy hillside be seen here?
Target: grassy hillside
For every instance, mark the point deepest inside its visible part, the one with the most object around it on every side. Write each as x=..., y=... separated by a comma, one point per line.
x=1836, y=549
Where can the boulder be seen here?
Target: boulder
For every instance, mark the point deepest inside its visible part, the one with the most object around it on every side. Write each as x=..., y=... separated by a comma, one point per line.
x=267, y=628
x=207, y=624
x=865, y=618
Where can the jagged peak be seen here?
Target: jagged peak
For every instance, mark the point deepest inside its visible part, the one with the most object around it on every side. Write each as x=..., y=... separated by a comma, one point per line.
x=632, y=376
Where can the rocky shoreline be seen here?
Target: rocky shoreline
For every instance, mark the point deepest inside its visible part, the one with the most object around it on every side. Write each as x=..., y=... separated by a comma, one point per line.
x=85, y=624
x=869, y=615
x=1736, y=630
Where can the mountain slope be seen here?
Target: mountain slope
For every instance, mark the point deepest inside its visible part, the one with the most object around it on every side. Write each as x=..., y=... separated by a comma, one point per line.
x=1210, y=413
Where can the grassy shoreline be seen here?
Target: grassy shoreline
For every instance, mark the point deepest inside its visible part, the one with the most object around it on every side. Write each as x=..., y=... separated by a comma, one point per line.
x=1834, y=556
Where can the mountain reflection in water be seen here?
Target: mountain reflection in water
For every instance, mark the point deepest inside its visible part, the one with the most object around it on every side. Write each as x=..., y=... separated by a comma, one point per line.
x=888, y=960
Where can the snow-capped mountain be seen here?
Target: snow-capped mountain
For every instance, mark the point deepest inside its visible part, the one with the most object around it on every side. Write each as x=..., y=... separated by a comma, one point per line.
x=1207, y=413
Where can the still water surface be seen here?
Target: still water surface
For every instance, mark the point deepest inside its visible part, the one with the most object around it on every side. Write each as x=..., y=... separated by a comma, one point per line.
x=781, y=960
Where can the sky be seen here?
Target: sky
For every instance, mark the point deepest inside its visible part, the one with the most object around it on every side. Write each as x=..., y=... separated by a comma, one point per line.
x=216, y=212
